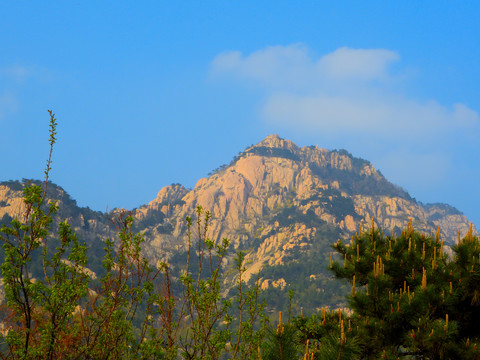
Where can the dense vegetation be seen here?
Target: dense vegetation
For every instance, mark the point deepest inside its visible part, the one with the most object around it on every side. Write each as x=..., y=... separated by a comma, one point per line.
x=306, y=273
x=409, y=299
x=355, y=183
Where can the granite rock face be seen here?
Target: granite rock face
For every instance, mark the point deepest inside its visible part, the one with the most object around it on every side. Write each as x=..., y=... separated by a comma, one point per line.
x=270, y=199
x=269, y=202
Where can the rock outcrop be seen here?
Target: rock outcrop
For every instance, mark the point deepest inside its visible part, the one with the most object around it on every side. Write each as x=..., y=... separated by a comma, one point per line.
x=274, y=201
x=274, y=193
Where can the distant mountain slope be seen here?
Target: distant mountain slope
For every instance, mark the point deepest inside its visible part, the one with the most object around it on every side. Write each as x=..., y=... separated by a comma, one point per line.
x=90, y=226
x=85, y=221
x=280, y=204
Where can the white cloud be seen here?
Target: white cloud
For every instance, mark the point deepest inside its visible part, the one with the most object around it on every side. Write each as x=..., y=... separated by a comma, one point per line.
x=291, y=67
x=8, y=104
x=275, y=66
x=16, y=72
x=15, y=75
x=375, y=115
x=415, y=170
x=364, y=64
x=13, y=80
x=348, y=90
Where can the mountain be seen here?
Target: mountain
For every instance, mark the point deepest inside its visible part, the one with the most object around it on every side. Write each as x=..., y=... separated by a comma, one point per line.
x=280, y=204
x=90, y=226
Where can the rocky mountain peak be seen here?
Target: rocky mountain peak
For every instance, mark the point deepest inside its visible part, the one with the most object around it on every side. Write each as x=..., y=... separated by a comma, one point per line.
x=276, y=142
x=171, y=193
x=274, y=197
x=276, y=202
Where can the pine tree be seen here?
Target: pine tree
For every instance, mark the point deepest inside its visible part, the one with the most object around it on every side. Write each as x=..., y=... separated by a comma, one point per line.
x=409, y=297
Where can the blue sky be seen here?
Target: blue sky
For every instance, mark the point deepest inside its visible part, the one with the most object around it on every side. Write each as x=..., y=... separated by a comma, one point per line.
x=153, y=93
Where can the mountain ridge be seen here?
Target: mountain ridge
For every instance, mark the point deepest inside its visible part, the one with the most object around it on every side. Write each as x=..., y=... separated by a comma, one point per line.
x=280, y=204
